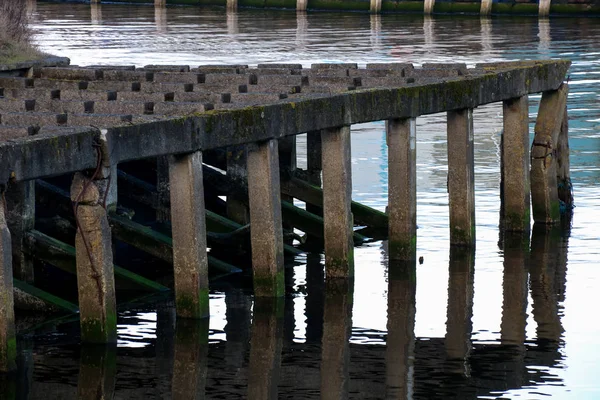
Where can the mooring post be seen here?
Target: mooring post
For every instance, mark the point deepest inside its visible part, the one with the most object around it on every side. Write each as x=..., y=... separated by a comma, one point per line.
x=337, y=196
x=265, y=348
x=544, y=8
x=428, y=6
x=160, y=3
x=461, y=180
x=190, y=260
x=544, y=186
x=486, y=8
x=8, y=340
x=516, y=199
x=97, y=372
x=20, y=217
x=375, y=6
x=265, y=217
x=190, y=361
x=237, y=172
x=514, y=288
x=402, y=188
x=563, y=173
x=301, y=5
x=232, y=5
x=94, y=259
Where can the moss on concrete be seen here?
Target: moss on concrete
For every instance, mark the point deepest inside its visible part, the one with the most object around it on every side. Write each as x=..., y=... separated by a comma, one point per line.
x=188, y=307
x=269, y=285
x=99, y=331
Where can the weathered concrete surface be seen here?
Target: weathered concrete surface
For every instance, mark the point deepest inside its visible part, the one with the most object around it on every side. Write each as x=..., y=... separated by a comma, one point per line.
x=461, y=177
x=402, y=188
x=97, y=372
x=515, y=187
x=265, y=218
x=237, y=172
x=544, y=186
x=190, y=261
x=95, y=273
x=190, y=359
x=8, y=340
x=563, y=167
x=337, y=196
x=20, y=217
x=265, y=348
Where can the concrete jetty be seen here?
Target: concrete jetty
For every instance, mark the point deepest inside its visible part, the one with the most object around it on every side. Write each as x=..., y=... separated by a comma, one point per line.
x=89, y=123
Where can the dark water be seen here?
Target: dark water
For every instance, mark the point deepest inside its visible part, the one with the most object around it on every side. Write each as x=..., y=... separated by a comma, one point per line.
x=508, y=321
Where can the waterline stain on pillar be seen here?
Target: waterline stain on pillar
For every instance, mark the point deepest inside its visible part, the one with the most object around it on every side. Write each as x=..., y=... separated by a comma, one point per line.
x=337, y=196
x=544, y=191
x=461, y=181
x=8, y=340
x=190, y=261
x=515, y=187
x=265, y=218
x=402, y=188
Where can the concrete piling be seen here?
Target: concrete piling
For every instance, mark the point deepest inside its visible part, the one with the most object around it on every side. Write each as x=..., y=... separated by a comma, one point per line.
x=237, y=171
x=544, y=8
x=265, y=215
x=402, y=188
x=8, y=340
x=375, y=6
x=314, y=165
x=428, y=7
x=301, y=5
x=94, y=259
x=486, y=8
x=515, y=187
x=461, y=180
x=20, y=217
x=190, y=261
x=563, y=172
x=544, y=186
x=337, y=196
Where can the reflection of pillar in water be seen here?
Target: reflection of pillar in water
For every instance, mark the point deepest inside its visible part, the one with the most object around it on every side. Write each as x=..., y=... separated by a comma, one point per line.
x=428, y=25
x=547, y=270
x=165, y=335
x=402, y=285
x=96, y=10
x=486, y=36
x=514, y=288
x=232, y=22
x=460, y=309
x=265, y=348
x=544, y=35
x=160, y=17
x=315, y=297
x=237, y=329
x=301, y=29
x=97, y=372
x=190, y=359
x=337, y=328
x=375, y=36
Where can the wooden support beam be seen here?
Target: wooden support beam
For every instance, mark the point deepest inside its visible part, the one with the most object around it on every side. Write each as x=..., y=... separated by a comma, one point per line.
x=8, y=339
x=461, y=179
x=544, y=187
x=402, y=188
x=190, y=261
x=337, y=196
x=515, y=189
x=265, y=217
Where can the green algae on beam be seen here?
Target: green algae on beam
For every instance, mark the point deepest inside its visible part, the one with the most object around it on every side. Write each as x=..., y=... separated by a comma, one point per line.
x=45, y=296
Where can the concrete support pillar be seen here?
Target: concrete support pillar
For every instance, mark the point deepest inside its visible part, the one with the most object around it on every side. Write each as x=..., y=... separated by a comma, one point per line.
x=544, y=191
x=515, y=288
x=237, y=171
x=190, y=363
x=544, y=8
x=96, y=12
x=461, y=180
x=8, y=340
x=375, y=6
x=301, y=5
x=337, y=196
x=265, y=348
x=428, y=7
x=402, y=188
x=486, y=8
x=232, y=5
x=314, y=165
x=163, y=189
x=160, y=3
x=265, y=216
x=287, y=166
x=460, y=309
x=190, y=261
x=515, y=187
x=400, y=348
x=337, y=329
x=160, y=16
x=20, y=217
x=95, y=272
x=97, y=372
x=563, y=167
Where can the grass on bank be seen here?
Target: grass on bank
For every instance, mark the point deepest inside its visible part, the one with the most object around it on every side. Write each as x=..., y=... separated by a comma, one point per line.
x=15, y=36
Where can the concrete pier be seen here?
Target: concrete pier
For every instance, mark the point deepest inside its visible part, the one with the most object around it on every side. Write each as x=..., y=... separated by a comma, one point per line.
x=515, y=186
x=97, y=372
x=95, y=274
x=265, y=217
x=461, y=177
x=20, y=217
x=544, y=185
x=563, y=173
x=337, y=196
x=8, y=340
x=402, y=188
x=190, y=261
x=237, y=170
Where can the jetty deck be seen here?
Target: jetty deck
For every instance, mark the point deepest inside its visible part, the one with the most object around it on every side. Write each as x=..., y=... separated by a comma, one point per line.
x=86, y=123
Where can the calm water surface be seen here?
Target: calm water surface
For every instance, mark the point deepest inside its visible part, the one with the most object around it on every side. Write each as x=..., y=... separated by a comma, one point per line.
x=522, y=325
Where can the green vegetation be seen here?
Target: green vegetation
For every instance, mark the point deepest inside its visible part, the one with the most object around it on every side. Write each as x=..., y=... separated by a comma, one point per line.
x=15, y=35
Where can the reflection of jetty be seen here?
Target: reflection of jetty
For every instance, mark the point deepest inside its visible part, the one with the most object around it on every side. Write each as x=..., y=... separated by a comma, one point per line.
x=259, y=360
x=106, y=136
